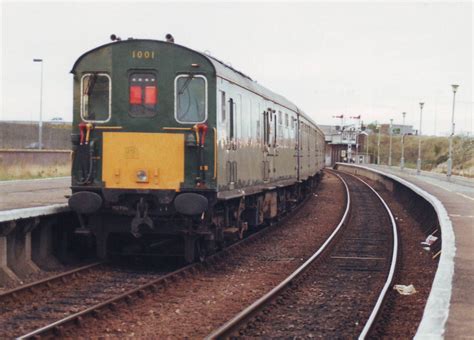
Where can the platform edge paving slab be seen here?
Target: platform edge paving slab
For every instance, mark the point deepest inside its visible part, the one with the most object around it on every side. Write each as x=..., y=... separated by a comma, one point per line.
x=16, y=214
x=436, y=312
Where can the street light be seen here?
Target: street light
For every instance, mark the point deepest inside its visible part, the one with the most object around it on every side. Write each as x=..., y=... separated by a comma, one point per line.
x=450, y=159
x=390, y=147
x=418, y=161
x=402, y=160
x=367, y=146
x=378, y=144
x=40, y=126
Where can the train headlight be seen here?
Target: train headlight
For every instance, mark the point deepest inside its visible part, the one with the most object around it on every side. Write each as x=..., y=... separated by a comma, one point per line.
x=142, y=176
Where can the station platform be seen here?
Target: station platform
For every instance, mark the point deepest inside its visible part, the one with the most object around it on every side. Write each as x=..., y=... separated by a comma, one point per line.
x=21, y=194
x=457, y=196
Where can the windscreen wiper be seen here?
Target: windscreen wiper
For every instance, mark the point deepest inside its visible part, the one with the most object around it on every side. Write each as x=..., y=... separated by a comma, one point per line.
x=185, y=85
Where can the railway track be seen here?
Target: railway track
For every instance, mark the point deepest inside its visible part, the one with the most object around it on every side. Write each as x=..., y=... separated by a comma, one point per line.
x=65, y=297
x=339, y=291
x=92, y=292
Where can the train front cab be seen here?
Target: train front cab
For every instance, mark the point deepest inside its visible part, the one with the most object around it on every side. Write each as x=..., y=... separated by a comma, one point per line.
x=143, y=141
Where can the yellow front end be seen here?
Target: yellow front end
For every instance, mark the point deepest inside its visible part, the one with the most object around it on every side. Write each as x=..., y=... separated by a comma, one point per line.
x=133, y=160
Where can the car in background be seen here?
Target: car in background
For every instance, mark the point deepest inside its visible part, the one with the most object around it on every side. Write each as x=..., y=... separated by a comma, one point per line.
x=56, y=120
x=34, y=145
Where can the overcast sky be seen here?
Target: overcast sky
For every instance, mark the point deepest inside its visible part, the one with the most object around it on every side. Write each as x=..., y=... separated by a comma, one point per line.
x=376, y=59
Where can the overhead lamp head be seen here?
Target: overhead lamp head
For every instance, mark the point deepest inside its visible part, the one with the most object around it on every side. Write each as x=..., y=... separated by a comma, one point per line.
x=37, y=60
x=455, y=87
x=421, y=105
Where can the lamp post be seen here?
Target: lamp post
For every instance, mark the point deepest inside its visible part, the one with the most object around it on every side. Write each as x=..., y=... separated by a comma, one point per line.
x=450, y=159
x=390, y=145
x=40, y=126
x=418, y=161
x=402, y=159
x=367, y=147
x=378, y=145
x=357, y=146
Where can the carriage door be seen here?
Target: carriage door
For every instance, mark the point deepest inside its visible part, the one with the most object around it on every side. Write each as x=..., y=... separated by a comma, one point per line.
x=298, y=146
x=269, y=120
x=231, y=164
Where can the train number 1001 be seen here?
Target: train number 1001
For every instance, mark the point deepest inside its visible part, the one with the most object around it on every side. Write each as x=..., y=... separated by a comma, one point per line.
x=143, y=54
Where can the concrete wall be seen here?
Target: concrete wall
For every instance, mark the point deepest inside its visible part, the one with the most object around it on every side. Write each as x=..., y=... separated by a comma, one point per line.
x=18, y=135
x=17, y=164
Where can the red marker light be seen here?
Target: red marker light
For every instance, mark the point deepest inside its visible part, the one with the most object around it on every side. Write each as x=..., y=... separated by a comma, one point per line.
x=135, y=95
x=150, y=95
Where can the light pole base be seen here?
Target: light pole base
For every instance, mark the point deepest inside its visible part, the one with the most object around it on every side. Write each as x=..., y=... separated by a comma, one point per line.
x=418, y=166
x=402, y=164
x=450, y=164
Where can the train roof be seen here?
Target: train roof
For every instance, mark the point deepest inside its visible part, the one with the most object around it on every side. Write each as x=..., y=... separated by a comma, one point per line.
x=223, y=71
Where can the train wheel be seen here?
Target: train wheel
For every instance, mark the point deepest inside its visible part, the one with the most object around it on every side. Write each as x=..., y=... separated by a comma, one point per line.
x=194, y=249
x=200, y=250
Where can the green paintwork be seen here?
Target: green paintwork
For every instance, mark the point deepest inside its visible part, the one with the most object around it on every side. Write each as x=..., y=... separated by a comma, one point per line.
x=170, y=60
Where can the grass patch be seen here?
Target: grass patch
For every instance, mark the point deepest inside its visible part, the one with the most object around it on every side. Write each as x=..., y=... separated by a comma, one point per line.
x=32, y=172
x=434, y=152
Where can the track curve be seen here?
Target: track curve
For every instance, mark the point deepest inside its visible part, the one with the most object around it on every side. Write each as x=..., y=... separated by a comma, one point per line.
x=359, y=251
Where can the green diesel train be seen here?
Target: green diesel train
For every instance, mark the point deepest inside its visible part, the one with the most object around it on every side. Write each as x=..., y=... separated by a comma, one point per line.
x=170, y=143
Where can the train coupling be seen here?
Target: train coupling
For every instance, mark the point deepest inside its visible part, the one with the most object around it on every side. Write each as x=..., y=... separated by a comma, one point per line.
x=141, y=219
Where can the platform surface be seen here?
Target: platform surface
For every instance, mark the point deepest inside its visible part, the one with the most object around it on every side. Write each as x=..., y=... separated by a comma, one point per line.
x=33, y=193
x=457, y=196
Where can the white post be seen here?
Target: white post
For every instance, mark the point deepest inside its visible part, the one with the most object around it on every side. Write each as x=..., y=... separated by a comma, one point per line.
x=402, y=160
x=390, y=145
x=367, y=148
x=378, y=146
x=418, y=161
x=40, y=126
x=451, y=136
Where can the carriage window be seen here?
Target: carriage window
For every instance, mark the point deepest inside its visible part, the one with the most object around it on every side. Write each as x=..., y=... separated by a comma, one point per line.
x=96, y=97
x=190, y=98
x=143, y=94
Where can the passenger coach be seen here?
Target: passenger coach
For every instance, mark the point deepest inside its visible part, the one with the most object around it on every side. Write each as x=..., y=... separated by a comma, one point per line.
x=175, y=145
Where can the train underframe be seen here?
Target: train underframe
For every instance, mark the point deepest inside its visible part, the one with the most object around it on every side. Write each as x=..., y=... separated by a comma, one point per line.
x=138, y=224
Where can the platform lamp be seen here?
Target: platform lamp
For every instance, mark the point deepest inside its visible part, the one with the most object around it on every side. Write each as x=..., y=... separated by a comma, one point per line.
x=402, y=159
x=390, y=145
x=378, y=143
x=367, y=146
x=451, y=136
x=40, y=126
x=418, y=161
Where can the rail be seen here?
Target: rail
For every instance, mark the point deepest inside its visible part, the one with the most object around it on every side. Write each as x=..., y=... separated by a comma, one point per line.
x=56, y=328
x=247, y=312
x=375, y=312
x=47, y=281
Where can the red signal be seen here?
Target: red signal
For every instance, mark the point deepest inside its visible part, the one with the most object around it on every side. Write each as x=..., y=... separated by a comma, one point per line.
x=135, y=94
x=150, y=95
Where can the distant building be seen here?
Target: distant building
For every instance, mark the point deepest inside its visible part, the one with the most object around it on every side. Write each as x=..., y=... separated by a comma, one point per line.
x=344, y=144
x=397, y=129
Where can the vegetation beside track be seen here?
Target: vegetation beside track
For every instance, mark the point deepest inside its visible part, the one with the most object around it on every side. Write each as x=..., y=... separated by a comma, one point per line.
x=434, y=152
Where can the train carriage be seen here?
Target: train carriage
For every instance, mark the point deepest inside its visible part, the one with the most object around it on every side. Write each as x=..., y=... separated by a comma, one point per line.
x=170, y=143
